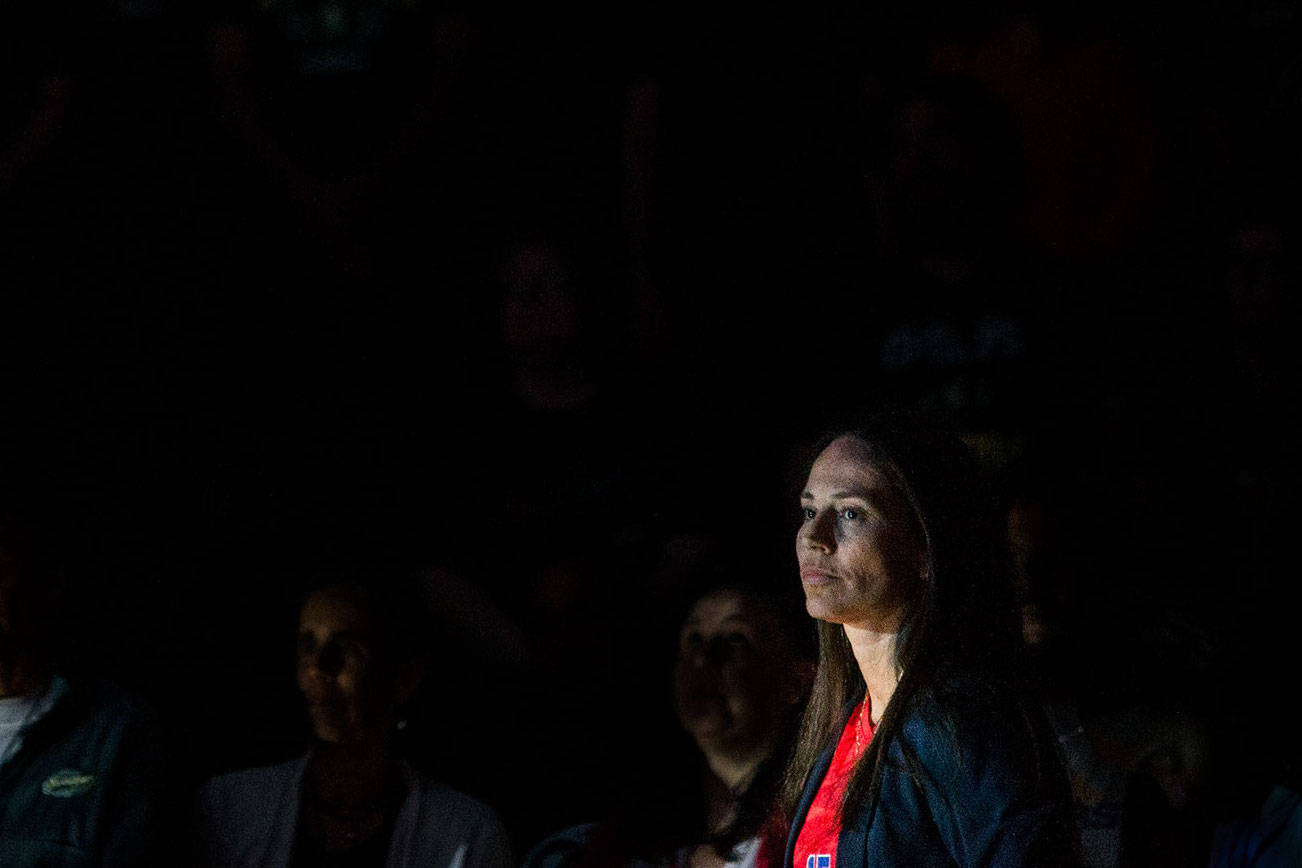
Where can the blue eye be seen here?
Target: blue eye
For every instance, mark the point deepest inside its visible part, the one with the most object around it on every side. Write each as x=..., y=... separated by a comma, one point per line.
x=851, y=513
x=808, y=513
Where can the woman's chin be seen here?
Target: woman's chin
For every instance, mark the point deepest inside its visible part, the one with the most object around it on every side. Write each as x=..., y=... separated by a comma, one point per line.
x=822, y=609
x=332, y=732
x=708, y=729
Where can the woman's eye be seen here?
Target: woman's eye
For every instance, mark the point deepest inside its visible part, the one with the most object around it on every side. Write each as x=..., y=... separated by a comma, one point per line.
x=354, y=650
x=851, y=513
x=807, y=512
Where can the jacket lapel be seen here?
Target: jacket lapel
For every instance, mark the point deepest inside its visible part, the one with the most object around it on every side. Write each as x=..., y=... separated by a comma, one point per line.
x=278, y=849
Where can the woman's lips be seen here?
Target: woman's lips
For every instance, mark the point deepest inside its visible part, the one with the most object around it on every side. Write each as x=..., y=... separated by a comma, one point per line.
x=815, y=577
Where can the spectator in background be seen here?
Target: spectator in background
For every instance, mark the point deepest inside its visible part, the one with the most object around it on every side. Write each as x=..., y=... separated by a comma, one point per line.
x=954, y=294
x=1047, y=604
x=81, y=777
x=352, y=800
x=1259, y=269
x=346, y=107
x=547, y=327
x=741, y=675
x=1270, y=839
x=1122, y=670
x=1085, y=126
x=561, y=502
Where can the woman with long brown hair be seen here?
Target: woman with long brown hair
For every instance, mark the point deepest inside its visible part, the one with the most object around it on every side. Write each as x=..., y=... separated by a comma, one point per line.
x=916, y=748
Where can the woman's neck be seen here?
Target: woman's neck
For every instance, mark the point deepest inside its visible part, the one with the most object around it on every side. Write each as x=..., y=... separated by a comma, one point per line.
x=722, y=795
x=351, y=772
x=874, y=651
x=736, y=768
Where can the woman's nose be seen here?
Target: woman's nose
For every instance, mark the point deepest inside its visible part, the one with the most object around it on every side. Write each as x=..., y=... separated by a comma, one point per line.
x=816, y=533
x=718, y=652
x=709, y=655
x=328, y=660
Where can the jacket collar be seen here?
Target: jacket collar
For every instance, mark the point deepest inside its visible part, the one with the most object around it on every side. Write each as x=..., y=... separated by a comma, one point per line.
x=278, y=846
x=814, y=780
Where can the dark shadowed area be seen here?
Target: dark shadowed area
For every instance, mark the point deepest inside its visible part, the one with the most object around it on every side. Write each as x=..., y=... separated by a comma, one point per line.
x=542, y=308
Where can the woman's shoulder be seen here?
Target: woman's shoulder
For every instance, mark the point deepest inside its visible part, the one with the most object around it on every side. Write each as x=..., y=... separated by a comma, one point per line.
x=240, y=811
x=450, y=804
x=974, y=702
x=972, y=724
x=249, y=796
x=254, y=780
x=976, y=753
x=457, y=827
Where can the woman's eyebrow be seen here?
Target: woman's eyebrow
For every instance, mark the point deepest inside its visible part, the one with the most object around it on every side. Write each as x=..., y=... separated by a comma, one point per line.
x=337, y=635
x=864, y=494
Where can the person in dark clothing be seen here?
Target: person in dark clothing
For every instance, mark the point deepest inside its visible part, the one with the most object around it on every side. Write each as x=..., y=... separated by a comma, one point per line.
x=917, y=746
x=81, y=772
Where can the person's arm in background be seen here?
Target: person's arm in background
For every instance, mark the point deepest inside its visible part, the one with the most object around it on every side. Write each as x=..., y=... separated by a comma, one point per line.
x=137, y=826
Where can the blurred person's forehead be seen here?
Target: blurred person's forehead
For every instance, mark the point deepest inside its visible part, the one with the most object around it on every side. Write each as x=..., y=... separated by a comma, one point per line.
x=335, y=609
x=529, y=263
x=727, y=607
x=717, y=606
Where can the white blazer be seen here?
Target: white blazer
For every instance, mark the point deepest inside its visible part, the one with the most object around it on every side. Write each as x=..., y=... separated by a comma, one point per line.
x=247, y=819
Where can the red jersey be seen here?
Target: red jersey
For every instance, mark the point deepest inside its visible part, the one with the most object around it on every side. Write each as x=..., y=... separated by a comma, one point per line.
x=816, y=843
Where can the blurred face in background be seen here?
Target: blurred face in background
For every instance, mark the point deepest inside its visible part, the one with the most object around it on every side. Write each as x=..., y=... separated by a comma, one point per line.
x=543, y=328
x=539, y=306
x=345, y=674
x=735, y=679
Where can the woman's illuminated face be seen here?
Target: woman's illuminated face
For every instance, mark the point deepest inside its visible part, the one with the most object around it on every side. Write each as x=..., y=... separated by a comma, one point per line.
x=858, y=546
x=341, y=672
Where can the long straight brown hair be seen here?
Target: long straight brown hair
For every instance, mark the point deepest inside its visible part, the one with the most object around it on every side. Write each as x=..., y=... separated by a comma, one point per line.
x=962, y=611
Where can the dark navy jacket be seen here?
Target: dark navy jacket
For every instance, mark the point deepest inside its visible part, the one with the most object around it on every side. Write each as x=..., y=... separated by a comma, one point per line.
x=971, y=779
x=84, y=787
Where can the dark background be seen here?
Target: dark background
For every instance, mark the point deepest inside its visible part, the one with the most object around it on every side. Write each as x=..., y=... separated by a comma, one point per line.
x=266, y=305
